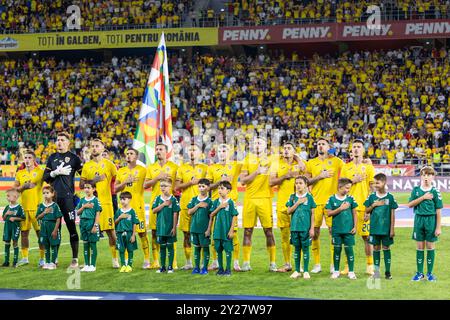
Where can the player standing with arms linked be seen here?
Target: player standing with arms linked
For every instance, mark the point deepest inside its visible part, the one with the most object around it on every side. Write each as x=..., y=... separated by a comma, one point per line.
x=60, y=173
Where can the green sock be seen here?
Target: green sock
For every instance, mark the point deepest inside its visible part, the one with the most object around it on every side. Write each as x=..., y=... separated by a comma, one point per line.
x=171, y=255
x=306, y=259
x=387, y=259
x=220, y=258
x=54, y=253
x=350, y=258
x=122, y=257
x=162, y=255
x=197, y=257
x=130, y=258
x=47, y=253
x=430, y=260
x=16, y=255
x=93, y=246
x=297, y=258
x=86, y=253
x=7, y=248
x=419, y=256
x=205, y=257
x=337, y=257
x=228, y=254
x=377, y=258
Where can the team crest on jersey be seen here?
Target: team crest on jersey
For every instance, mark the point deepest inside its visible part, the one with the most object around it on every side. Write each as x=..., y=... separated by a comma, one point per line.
x=329, y=162
x=230, y=167
x=129, y=217
x=199, y=170
x=34, y=174
x=386, y=202
x=67, y=159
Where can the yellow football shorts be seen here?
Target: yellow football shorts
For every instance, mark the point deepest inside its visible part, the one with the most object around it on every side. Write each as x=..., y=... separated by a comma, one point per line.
x=283, y=219
x=363, y=228
x=185, y=220
x=141, y=227
x=152, y=223
x=257, y=208
x=107, y=217
x=30, y=220
x=319, y=214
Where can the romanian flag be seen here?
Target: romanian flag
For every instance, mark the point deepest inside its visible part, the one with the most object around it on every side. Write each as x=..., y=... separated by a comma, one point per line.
x=155, y=118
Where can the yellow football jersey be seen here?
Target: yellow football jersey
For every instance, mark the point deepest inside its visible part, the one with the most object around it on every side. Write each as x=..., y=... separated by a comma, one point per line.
x=154, y=170
x=31, y=198
x=103, y=167
x=230, y=169
x=287, y=187
x=259, y=187
x=136, y=188
x=185, y=173
x=323, y=189
x=360, y=191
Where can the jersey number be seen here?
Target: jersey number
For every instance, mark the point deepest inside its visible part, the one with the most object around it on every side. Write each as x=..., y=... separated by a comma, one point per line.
x=142, y=224
x=366, y=227
x=110, y=222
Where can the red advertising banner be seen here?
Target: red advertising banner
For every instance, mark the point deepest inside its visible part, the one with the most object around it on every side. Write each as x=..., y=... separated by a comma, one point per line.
x=387, y=30
x=388, y=169
x=406, y=184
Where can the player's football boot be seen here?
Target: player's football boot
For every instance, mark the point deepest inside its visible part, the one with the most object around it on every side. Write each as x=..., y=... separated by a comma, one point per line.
x=23, y=262
x=352, y=275
x=236, y=266
x=246, y=267
x=146, y=265
x=155, y=265
x=73, y=264
x=5, y=264
x=187, y=266
x=317, y=269
x=370, y=269
x=418, y=276
x=273, y=267
x=431, y=277
x=41, y=263
x=128, y=269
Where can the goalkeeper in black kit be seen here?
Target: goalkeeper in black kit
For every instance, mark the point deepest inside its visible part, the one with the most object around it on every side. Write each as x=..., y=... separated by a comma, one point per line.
x=60, y=173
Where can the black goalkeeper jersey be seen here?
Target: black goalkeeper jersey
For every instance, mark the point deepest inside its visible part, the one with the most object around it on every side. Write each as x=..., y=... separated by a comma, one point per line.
x=63, y=185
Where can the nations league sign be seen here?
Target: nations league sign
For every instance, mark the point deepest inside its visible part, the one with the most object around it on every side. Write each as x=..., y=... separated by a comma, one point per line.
x=406, y=184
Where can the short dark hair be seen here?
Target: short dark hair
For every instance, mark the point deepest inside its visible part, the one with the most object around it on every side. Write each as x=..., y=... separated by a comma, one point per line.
x=343, y=182
x=51, y=189
x=162, y=144
x=305, y=179
x=292, y=143
x=324, y=139
x=63, y=134
x=134, y=150
x=126, y=195
x=204, y=181
x=98, y=140
x=380, y=177
x=358, y=141
x=29, y=151
x=226, y=184
x=90, y=182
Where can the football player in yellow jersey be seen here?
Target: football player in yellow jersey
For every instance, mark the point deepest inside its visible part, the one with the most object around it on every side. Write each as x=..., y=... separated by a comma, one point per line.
x=282, y=174
x=323, y=174
x=188, y=175
x=157, y=171
x=29, y=183
x=362, y=176
x=101, y=172
x=131, y=178
x=257, y=201
x=225, y=170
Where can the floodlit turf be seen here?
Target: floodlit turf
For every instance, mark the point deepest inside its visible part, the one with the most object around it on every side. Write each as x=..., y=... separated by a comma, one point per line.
x=258, y=282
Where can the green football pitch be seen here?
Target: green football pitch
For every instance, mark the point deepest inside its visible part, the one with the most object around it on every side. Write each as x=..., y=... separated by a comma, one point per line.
x=258, y=282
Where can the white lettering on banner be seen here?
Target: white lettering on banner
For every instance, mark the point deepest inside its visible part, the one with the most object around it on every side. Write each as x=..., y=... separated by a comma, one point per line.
x=407, y=184
x=365, y=31
x=305, y=33
x=245, y=35
x=424, y=28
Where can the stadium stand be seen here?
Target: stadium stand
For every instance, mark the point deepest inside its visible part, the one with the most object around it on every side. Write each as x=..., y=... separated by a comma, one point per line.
x=397, y=101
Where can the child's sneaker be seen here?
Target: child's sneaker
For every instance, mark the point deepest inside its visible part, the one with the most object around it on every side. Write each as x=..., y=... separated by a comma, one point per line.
x=306, y=275
x=387, y=276
x=51, y=266
x=352, y=275
x=161, y=270
x=220, y=272
x=431, y=277
x=204, y=271
x=123, y=269
x=196, y=270
x=128, y=269
x=418, y=276
x=335, y=275
x=227, y=273
x=85, y=269
x=45, y=266
x=5, y=264
x=169, y=269
x=295, y=275
x=92, y=269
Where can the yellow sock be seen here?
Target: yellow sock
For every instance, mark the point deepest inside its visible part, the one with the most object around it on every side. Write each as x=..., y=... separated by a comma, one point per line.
x=236, y=247
x=41, y=253
x=285, y=245
x=25, y=253
x=113, y=251
x=369, y=260
x=315, y=248
x=188, y=253
x=272, y=253
x=247, y=250
x=126, y=255
x=145, y=248
x=213, y=251
x=155, y=251
x=175, y=264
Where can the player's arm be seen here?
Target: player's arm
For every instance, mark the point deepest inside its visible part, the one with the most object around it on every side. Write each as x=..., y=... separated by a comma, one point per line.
x=133, y=236
x=175, y=222
x=392, y=230
x=336, y=211
x=179, y=185
x=274, y=180
x=438, y=223
x=247, y=178
x=231, y=231
x=416, y=202
x=194, y=209
x=119, y=186
x=161, y=206
x=23, y=187
x=208, y=230
x=55, y=230
x=291, y=210
x=216, y=211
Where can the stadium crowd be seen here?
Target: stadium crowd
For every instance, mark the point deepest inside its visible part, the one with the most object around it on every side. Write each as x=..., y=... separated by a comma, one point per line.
x=44, y=15
x=398, y=101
